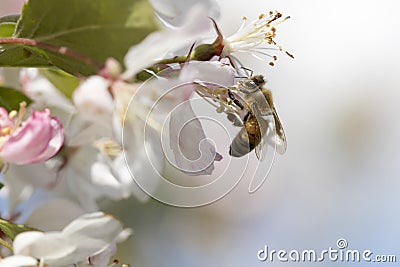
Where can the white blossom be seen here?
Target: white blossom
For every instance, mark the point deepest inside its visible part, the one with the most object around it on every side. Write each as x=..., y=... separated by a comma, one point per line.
x=87, y=236
x=158, y=44
x=99, y=108
x=42, y=91
x=171, y=12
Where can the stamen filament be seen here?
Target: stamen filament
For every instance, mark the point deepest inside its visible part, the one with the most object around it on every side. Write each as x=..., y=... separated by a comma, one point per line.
x=21, y=113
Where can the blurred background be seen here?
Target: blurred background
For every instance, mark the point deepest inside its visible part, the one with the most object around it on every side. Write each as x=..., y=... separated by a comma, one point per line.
x=339, y=102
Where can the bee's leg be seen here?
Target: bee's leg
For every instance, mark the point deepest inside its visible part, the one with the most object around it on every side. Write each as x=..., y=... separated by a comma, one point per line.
x=219, y=91
x=237, y=102
x=246, y=117
x=249, y=70
x=213, y=92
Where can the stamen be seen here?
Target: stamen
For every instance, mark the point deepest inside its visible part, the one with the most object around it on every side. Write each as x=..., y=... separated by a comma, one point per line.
x=21, y=113
x=5, y=131
x=242, y=25
x=114, y=263
x=251, y=37
x=108, y=147
x=12, y=114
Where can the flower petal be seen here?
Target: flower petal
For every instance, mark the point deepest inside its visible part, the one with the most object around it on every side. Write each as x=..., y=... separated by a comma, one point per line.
x=213, y=72
x=92, y=233
x=97, y=108
x=194, y=154
x=38, y=139
x=55, y=143
x=5, y=120
x=18, y=261
x=112, y=186
x=171, y=12
x=103, y=258
x=51, y=246
x=143, y=159
x=42, y=91
x=43, y=205
x=158, y=44
x=86, y=236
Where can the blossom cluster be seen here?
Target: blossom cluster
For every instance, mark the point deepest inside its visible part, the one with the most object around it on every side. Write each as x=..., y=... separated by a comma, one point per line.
x=61, y=155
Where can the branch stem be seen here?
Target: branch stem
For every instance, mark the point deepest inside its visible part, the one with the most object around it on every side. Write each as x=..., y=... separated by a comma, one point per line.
x=62, y=50
x=5, y=244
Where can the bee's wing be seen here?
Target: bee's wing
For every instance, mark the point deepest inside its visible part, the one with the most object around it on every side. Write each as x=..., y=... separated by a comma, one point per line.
x=263, y=124
x=274, y=136
x=255, y=101
x=279, y=139
x=272, y=133
x=235, y=119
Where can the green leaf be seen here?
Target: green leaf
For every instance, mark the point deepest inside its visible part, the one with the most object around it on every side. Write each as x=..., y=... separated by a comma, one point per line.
x=1, y=186
x=7, y=29
x=64, y=82
x=24, y=56
x=92, y=29
x=10, y=18
x=10, y=98
x=11, y=229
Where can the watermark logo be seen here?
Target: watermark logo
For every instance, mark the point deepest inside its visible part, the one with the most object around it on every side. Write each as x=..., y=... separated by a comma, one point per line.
x=340, y=253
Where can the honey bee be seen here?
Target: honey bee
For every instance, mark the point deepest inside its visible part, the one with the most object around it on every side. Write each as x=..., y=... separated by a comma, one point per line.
x=261, y=125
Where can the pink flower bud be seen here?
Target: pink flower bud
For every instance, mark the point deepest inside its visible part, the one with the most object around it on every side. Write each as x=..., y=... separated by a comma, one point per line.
x=35, y=140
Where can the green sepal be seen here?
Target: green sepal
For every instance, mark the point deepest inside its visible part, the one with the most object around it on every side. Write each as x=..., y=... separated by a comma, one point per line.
x=11, y=230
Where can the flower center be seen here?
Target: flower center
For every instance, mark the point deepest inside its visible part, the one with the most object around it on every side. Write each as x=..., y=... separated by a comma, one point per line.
x=6, y=130
x=21, y=113
x=252, y=36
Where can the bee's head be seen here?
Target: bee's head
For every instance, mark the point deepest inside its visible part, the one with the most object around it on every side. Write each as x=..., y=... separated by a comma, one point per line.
x=258, y=80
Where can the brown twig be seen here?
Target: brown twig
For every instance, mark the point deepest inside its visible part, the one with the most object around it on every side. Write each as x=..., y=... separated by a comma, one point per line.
x=62, y=50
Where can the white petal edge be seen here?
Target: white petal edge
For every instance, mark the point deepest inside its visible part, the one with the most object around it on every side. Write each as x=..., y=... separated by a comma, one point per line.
x=51, y=246
x=194, y=154
x=171, y=12
x=158, y=44
x=18, y=261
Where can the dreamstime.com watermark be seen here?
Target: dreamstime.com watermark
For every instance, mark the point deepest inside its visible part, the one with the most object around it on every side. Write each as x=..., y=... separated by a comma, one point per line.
x=340, y=253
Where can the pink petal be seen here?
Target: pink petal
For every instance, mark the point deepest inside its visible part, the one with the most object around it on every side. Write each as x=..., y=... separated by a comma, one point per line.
x=5, y=120
x=38, y=139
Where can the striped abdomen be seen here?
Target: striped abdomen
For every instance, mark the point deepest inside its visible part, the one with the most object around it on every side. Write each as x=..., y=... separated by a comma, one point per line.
x=247, y=139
